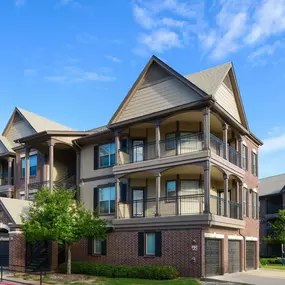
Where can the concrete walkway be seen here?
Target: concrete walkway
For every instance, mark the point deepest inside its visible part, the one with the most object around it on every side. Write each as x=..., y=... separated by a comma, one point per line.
x=254, y=277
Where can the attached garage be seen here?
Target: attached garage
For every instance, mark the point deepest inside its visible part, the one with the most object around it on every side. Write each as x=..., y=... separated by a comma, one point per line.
x=4, y=250
x=234, y=251
x=250, y=255
x=213, y=257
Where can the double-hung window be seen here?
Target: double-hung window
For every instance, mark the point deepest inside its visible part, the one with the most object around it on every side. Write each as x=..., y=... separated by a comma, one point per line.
x=97, y=246
x=171, y=188
x=244, y=157
x=150, y=244
x=254, y=205
x=245, y=202
x=254, y=163
x=107, y=154
x=107, y=200
x=33, y=165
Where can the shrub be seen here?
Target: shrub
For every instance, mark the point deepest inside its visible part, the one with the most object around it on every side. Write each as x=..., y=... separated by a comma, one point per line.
x=267, y=261
x=121, y=271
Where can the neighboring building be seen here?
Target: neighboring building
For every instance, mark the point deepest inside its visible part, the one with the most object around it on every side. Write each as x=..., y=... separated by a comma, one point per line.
x=271, y=199
x=175, y=173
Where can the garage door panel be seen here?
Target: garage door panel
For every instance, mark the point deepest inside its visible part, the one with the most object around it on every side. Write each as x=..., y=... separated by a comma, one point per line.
x=4, y=253
x=250, y=254
x=213, y=257
x=234, y=252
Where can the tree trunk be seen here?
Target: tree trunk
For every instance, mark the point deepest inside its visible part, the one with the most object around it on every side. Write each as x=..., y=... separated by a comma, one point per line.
x=68, y=269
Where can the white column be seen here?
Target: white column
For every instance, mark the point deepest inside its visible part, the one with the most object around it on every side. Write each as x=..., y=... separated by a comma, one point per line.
x=51, y=160
x=117, y=197
x=206, y=125
x=240, y=151
x=157, y=139
x=27, y=172
x=207, y=186
x=225, y=139
x=157, y=196
x=117, y=144
x=10, y=161
x=226, y=196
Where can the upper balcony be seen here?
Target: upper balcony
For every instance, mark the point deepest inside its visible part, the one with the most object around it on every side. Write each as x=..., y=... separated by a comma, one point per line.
x=181, y=138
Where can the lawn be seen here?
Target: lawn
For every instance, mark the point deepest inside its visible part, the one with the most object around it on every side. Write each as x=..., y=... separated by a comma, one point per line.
x=61, y=279
x=274, y=266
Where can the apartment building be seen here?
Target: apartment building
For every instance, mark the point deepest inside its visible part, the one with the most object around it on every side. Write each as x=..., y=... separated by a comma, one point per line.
x=272, y=199
x=175, y=174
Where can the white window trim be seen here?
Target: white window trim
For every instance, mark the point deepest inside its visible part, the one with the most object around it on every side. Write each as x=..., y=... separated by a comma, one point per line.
x=254, y=190
x=244, y=143
x=214, y=235
x=251, y=238
x=235, y=237
x=245, y=185
x=253, y=150
x=94, y=247
x=31, y=153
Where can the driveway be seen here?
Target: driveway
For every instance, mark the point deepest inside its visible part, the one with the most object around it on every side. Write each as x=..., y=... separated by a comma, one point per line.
x=255, y=277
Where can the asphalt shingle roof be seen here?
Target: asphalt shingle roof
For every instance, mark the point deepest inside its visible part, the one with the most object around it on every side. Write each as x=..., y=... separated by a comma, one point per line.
x=271, y=185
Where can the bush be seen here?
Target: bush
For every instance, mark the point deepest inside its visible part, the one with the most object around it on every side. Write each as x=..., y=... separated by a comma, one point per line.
x=267, y=261
x=121, y=271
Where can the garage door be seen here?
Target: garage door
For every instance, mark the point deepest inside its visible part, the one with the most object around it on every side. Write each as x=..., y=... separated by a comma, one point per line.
x=250, y=254
x=234, y=256
x=4, y=252
x=213, y=257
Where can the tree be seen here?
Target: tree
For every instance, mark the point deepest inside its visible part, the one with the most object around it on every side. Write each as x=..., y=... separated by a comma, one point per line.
x=55, y=216
x=276, y=233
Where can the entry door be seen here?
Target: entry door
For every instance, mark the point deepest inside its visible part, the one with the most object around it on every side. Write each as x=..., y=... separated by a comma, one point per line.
x=213, y=257
x=138, y=206
x=138, y=150
x=250, y=254
x=4, y=252
x=234, y=256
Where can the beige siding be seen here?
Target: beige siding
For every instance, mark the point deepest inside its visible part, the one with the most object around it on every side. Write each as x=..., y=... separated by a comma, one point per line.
x=87, y=191
x=87, y=164
x=60, y=170
x=226, y=99
x=161, y=96
x=18, y=130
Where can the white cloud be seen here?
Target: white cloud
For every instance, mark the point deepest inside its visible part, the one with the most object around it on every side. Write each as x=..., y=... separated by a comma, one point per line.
x=113, y=58
x=274, y=144
x=29, y=72
x=170, y=22
x=143, y=17
x=74, y=74
x=269, y=19
x=19, y=3
x=160, y=40
x=72, y=3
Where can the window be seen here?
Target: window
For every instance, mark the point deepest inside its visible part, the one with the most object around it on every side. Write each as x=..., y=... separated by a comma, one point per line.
x=190, y=187
x=107, y=200
x=107, y=154
x=171, y=188
x=170, y=141
x=33, y=165
x=150, y=243
x=254, y=163
x=244, y=157
x=254, y=205
x=245, y=202
x=97, y=247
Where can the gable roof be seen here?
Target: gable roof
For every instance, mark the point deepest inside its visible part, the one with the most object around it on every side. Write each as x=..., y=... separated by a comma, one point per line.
x=15, y=208
x=37, y=122
x=6, y=145
x=209, y=80
x=271, y=185
x=165, y=67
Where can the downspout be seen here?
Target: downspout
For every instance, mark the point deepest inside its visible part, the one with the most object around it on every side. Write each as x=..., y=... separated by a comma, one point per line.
x=244, y=250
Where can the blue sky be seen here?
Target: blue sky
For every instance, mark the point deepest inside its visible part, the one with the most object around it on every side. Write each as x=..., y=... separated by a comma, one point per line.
x=73, y=61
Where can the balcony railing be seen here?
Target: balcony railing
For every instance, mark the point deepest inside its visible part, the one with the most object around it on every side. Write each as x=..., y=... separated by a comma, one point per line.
x=217, y=205
x=4, y=179
x=234, y=156
x=217, y=145
x=235, y=210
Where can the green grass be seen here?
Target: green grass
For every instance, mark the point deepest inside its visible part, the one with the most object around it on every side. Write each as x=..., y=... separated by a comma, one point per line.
x=274, y=266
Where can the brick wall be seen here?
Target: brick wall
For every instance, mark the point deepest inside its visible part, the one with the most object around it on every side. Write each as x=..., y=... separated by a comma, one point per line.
x=4, y=218
x=17, y=252
x=122, y=248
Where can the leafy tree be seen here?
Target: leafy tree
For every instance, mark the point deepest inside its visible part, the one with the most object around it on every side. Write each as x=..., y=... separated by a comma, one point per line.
x=276, y=234
x=55, y=216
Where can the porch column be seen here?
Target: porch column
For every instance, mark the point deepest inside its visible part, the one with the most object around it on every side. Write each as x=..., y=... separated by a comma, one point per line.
x=117, y=197
x=207, y=132
x=225, y=139
x=157, y=188
x=240, y=198
x=10, y=161
x=226, y=196
x=117, y=145
x=78, y=175
x=207, y=186
x=51, y=158
x=27, y=173
x=157, y=139
x=240, y=152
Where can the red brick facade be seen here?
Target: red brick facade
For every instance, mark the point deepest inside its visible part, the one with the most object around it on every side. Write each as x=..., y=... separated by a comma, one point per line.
x=122, y=248
x=17, y=252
